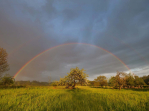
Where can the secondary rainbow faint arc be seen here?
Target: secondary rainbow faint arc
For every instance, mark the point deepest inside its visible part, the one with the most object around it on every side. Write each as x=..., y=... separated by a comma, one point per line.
x=65, y=45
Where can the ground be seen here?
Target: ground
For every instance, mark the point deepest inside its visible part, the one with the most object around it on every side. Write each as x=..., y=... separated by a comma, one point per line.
x=81, y=99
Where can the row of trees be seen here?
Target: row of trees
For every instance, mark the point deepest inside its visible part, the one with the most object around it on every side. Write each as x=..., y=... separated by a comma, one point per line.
x=126, y=80
x=121, y=80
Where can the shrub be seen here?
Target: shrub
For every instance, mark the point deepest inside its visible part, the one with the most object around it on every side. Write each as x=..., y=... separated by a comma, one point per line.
x=7, y=80
x=54, y=84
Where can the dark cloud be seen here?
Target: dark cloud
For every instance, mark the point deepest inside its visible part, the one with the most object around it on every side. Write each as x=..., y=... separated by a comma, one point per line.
x=27, y=28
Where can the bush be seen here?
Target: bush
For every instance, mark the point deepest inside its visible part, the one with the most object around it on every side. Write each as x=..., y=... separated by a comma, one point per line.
x=7, y=80
x=54, y=84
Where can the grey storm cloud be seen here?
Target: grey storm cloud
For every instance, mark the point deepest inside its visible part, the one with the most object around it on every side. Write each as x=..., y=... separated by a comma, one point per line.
x=28, y=28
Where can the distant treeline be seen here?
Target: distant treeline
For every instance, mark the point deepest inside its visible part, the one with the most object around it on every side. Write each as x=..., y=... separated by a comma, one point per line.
x=129, y=82
x=31, y=83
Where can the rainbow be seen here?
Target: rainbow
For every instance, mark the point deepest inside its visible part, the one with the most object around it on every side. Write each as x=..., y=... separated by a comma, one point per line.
x=65, y=45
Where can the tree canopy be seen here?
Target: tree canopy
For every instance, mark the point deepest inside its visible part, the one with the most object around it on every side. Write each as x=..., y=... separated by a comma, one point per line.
x=146, y=79
x=3, y=61
x=101, y=80
x=139, y=81
x=75, y=75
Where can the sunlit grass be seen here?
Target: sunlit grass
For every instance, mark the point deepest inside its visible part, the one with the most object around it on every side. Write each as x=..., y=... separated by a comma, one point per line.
x=82, y=99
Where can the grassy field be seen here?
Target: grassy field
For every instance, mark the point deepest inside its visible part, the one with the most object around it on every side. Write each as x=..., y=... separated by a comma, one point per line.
x=81, y=99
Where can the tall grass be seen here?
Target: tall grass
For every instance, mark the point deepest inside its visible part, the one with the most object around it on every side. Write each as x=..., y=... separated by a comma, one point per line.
x=81, y=99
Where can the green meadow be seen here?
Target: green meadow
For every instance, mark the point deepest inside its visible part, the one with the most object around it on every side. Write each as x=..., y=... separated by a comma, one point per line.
x=79, y=99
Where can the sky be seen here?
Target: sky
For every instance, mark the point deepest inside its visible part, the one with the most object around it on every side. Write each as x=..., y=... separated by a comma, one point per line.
x=108, y=35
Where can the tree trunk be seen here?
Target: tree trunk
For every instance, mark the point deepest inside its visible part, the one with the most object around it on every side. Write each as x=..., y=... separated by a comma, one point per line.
x=119, y=87
x=80, y=81
x=74, y=84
